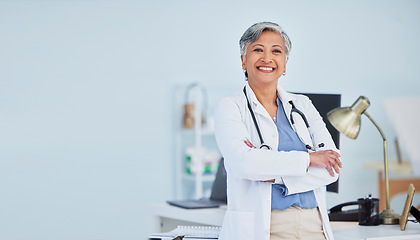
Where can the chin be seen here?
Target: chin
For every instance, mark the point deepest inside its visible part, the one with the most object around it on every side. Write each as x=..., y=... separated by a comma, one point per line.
x=269, y=81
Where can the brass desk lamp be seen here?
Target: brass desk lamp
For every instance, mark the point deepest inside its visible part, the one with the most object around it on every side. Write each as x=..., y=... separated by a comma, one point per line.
x=347, y=121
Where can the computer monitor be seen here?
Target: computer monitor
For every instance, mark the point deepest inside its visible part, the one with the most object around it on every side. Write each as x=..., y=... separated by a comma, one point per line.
x=218, y=192
x=325, y=103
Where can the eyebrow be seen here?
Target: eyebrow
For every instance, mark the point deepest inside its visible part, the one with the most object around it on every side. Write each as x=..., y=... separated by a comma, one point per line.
x=261, y=45
x=258, y=45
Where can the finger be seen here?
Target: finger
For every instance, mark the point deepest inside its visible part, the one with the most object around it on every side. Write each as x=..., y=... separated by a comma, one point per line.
x=270, y=181
x=337, y=160
x=330, y=170
x=332, y=152
x=249, y=144
x=339, y=163
x=336, y=154
x=336, y=168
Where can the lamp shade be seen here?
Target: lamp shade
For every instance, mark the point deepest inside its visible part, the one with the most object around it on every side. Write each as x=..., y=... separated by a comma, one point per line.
x=347, y=119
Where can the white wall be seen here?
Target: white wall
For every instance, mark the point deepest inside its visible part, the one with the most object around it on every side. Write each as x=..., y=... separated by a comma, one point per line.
x=85, y=96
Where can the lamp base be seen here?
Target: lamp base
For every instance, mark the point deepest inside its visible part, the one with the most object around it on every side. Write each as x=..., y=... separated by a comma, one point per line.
x=388, y=216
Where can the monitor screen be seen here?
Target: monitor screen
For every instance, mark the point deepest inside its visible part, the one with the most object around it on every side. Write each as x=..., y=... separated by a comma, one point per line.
x=218, y=192
x=325, y=103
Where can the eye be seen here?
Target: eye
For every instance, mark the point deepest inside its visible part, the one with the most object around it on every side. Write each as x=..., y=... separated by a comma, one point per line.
x=258, y=50
x=277, y=51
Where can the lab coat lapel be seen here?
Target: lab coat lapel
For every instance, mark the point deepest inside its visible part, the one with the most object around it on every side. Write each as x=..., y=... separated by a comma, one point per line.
x=266, y=124
x=257, y=107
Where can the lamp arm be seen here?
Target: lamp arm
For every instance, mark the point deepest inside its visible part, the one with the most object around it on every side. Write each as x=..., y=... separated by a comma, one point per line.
x=376, y=125
x=385, y=161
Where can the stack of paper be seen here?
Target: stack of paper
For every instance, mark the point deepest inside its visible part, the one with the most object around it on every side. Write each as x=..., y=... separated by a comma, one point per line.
x=192, y=232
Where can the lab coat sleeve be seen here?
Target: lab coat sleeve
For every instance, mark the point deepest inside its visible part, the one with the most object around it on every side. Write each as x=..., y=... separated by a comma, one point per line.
x=251, y=163
x=316, y=176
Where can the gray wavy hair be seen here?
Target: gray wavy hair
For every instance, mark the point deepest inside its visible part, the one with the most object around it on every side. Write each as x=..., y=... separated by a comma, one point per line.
x=254, y=32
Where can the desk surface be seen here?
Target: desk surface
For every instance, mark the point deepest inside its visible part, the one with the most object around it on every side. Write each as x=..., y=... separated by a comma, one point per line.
x=352, y=230
x=207, y=216
x=341, y=230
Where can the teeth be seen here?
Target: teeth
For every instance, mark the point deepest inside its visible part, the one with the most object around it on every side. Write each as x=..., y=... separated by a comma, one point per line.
x=266, y=68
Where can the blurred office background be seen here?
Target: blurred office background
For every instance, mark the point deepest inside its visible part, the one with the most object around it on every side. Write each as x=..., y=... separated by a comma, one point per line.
x=86, y=92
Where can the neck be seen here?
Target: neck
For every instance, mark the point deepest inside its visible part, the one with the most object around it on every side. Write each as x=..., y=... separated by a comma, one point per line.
x=266, y=94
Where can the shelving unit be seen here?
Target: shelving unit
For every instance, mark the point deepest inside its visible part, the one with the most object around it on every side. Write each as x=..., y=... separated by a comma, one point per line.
x=197, y=184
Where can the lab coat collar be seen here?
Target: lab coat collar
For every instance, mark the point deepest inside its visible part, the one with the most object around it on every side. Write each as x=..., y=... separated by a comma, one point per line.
x=284, y=96
x=257, y=107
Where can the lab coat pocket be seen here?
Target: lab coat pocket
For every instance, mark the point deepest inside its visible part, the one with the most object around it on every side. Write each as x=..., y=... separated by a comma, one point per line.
x=238, y=225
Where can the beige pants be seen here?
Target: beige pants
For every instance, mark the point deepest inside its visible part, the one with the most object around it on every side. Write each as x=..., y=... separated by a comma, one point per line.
x=296, y=223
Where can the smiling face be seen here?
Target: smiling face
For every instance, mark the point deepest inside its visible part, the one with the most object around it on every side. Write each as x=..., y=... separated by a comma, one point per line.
x=265, y=59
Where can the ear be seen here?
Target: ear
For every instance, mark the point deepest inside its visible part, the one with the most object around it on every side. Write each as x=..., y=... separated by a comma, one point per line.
x=243, y=62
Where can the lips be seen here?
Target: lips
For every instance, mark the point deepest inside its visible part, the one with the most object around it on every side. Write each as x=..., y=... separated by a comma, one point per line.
x=266, y=68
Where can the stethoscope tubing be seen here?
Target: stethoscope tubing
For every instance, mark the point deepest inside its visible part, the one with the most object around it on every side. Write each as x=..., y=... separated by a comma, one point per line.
x=255, y=122
x=294, y=110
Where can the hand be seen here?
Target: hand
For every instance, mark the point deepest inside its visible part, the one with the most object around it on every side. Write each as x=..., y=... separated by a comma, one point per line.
x=328, y=159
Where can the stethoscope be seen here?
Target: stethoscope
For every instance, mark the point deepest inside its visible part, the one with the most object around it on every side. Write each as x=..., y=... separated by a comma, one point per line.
x=294, y=110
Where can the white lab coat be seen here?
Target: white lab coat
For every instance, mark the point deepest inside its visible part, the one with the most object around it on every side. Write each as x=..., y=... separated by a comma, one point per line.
x=248, y=213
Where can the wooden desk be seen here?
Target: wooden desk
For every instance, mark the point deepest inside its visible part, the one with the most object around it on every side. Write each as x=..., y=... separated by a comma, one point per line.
x=167, y=218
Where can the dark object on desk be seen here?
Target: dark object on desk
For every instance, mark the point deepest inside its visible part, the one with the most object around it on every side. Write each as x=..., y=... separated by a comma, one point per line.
x=415, y=213
x=218, y=195
x=368, y=211
x=337, y=213
x=325, y=103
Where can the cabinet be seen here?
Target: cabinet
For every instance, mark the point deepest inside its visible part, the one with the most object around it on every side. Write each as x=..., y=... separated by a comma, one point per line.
x=196, y=155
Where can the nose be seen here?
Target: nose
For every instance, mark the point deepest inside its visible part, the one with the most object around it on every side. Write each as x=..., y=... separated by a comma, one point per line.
x=266, y=58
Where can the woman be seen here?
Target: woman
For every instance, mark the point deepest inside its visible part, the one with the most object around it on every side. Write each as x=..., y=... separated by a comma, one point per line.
x=276, y=193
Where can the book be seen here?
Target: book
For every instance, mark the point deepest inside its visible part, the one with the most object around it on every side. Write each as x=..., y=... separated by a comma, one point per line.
x=196, y=232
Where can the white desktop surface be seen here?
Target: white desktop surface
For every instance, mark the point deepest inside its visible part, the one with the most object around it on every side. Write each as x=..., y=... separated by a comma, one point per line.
x=352, y=231
x=165, y=217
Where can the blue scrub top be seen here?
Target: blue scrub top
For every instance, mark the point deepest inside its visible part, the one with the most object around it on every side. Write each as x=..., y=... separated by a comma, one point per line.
x=289, y=141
